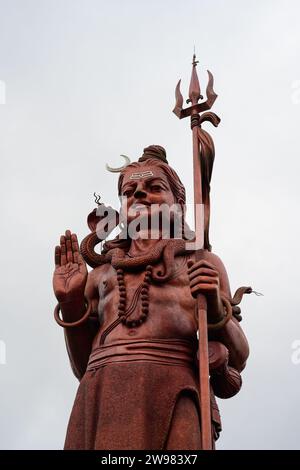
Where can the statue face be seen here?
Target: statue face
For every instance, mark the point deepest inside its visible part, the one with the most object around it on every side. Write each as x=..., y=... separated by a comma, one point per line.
x=143, y=187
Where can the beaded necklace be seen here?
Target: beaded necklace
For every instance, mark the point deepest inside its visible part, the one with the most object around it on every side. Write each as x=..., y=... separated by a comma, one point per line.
x=130, y=317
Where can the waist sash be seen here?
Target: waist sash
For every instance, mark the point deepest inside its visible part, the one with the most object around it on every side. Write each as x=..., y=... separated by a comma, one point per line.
x=178, y=352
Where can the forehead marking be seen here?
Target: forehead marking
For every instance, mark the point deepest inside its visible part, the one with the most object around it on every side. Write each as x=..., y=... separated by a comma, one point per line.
x=142, y=174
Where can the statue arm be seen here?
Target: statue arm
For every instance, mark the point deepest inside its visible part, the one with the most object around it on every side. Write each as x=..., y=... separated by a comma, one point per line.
x=79, y=340
x=231, y=335
x=72, y=284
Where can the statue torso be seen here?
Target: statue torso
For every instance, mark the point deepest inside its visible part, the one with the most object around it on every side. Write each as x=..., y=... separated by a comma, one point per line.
x=171, y=305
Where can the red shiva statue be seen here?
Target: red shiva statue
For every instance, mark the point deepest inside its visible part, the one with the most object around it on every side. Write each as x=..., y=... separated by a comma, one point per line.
x=131, y=323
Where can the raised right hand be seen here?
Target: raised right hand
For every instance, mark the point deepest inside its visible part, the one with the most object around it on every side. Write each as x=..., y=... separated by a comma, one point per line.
x=70, y=273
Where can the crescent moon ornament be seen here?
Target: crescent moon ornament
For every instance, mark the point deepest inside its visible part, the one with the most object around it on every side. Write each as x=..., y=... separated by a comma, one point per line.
x=120, y=168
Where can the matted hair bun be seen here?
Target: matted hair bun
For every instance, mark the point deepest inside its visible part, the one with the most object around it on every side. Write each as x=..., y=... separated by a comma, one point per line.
x=154, y=151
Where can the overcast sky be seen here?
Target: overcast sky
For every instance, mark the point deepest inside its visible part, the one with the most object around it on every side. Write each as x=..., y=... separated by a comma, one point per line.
x=82, y=82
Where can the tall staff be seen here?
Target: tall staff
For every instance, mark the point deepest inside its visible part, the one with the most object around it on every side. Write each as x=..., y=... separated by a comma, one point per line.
x=203, y=156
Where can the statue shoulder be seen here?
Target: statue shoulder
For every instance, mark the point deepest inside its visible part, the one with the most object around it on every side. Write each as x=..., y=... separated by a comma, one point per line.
x=94, y=279
x=95, y=275
x=216, y=260
x=211, y=258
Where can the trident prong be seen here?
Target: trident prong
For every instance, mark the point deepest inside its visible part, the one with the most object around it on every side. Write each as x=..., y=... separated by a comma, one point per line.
x=195, y=95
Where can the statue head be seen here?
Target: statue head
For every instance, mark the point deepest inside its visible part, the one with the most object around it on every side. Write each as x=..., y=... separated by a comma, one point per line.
x=153, y=156
x=150, y=181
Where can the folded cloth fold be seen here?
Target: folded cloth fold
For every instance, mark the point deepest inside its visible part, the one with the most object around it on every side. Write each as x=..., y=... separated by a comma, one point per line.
x=162, y=351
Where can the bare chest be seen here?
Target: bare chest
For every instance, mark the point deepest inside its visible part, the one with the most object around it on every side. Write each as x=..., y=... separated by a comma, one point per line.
x=170, y=312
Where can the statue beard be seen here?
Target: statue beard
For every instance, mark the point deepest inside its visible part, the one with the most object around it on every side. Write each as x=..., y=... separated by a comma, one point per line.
x=153, y=224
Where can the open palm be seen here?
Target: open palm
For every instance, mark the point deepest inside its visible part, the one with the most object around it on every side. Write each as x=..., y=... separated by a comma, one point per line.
x=70, y=273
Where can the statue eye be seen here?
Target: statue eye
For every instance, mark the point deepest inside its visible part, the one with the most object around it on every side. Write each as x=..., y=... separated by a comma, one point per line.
x=155, y=187
x=128, y=192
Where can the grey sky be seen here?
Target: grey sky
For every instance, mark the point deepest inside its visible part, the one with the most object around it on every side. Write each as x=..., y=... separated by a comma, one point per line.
x=89, y=80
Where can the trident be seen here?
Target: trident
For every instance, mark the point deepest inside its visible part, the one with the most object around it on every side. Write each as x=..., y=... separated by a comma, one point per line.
x=203, y=156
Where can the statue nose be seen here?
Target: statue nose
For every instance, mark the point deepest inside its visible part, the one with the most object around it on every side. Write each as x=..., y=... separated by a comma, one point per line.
x=140, y=193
